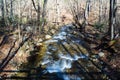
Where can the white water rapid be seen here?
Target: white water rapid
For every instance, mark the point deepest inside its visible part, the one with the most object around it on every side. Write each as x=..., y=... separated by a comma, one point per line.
x=64, y=61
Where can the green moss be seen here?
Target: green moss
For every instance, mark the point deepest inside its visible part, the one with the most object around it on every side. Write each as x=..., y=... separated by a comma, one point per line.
x=41, y=53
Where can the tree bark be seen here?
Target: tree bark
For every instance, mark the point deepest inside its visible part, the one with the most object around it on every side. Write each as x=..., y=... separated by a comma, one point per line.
x=3, y=13
x=112, y=14
x=86, y=14
x=11, y=9
x=44, y=13
x=38, y=15
x=34, y=5
x=100, y=10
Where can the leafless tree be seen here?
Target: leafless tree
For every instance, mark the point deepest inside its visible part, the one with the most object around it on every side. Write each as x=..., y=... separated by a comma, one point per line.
x=43, y=14
x=37, y=9
x=100, y=10
x=3, y=12
x=86, y=13
x=11, y=9
x=112, y=14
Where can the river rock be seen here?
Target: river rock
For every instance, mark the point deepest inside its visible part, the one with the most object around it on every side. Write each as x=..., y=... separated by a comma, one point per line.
x=101, y=54
x=39, y=44
x=40, y=40
x=48, y=37
x=53, y=31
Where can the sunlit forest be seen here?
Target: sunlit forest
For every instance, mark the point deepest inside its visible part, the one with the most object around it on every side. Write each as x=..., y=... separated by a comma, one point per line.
x=59, y=39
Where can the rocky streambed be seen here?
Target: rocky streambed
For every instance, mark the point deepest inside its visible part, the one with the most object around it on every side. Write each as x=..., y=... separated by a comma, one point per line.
x=67, y=53
x=65, y=56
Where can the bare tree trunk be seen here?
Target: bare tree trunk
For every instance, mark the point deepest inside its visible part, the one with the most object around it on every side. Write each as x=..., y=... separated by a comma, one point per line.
x=86, y=13
x=2, y=9
x=11, y=9
x=100, y=10
x=35, y=28
x=19, y=29
x=34, y=5
x=3, y=12
x=112, y=13
x=43, y=14
x=56, y=10
x=38, y=15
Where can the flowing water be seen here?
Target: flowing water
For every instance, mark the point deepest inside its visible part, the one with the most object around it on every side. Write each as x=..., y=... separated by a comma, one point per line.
x=60, y=56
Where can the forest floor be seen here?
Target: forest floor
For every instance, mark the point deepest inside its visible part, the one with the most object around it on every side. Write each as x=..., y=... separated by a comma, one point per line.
x=108, y=51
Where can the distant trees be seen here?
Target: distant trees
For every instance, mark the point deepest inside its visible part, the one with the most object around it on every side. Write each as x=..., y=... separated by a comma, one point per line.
x=79, y=9
x=6, y=12
x=75, y=9
x=80, y=14
x=40, y=12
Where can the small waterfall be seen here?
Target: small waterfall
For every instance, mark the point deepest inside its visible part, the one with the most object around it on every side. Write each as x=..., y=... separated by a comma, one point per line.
x=64, y=61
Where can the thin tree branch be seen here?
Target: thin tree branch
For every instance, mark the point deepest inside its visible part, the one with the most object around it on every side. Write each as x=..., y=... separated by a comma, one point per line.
x=34, y=5
x=5, y=59
x=14, y=53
